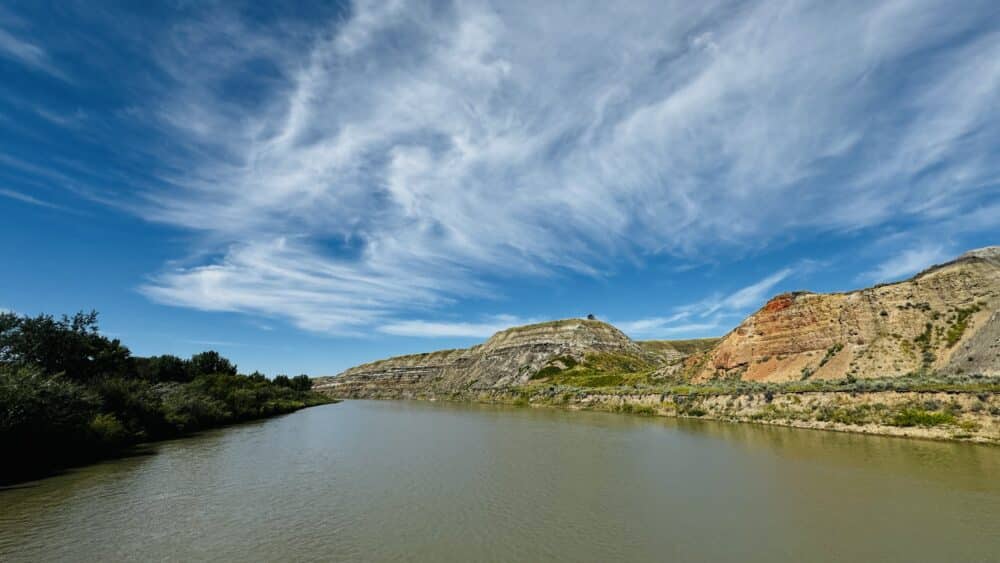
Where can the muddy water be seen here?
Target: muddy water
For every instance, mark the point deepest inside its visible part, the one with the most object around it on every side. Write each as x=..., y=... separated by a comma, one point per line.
x=403, y=481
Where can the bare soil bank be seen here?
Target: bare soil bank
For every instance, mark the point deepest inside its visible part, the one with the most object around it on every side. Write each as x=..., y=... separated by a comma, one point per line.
x=961, y=416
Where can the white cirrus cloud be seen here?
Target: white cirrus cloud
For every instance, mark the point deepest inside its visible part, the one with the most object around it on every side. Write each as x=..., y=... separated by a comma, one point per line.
x=908, y=262
x=411, y=154
x=713, y=315
x=28, y=54
x=32, y=200
x=453, y=329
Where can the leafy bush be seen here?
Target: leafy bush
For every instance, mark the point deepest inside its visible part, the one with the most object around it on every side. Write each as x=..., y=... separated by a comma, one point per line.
x=164, y=368
x=920, y=417
x=830, y=353
x=69, y=395
x=302, y=382
x=547, y=371
x=34, y=406
x=43, y=420
x=71, y=345
x=629, y=408
x=211, y=362
x=108, y=431
x=186, y=410
x=957, y=329
x=136, y=405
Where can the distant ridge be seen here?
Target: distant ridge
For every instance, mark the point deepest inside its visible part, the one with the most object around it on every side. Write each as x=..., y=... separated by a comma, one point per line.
x=944, y=319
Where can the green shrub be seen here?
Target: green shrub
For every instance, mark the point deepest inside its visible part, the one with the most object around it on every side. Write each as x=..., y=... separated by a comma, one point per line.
x=71, y=346
x=547, y=371
x=211, y=362
x=957, y=328
x=136, y=404
x=108, y=431
x=34, y=406
x=920, y=417
x=187, y=410
x=301, y=383
x=629, y=408
x=68, y=395
x=830, y=353
x=164, y=368
x=601, y=381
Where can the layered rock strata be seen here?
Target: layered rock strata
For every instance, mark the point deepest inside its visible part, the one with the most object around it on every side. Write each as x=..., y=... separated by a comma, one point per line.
x=943, y=319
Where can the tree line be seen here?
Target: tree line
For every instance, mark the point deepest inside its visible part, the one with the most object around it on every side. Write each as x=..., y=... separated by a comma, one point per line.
x=70, y=395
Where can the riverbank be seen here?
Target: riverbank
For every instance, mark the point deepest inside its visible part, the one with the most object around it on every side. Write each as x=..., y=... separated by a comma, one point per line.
x=105, y=438
x=971, y=417
x=70, y=396
x=386, y=481
x=965, y=410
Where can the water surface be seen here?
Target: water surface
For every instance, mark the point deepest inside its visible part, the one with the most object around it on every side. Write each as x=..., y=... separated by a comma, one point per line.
x=402, y=481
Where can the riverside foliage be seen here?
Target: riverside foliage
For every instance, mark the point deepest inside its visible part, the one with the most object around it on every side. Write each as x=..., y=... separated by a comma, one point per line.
x=69, y=395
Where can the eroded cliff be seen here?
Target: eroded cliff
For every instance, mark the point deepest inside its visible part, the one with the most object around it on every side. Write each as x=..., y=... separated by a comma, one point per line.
x=510, y=357
x=945, y=320
x=932, y=322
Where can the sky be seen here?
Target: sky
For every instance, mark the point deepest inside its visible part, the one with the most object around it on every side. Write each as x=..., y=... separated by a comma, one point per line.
x=305, y=187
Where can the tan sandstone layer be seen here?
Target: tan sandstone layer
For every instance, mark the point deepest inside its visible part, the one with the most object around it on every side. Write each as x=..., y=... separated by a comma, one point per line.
x=943, y=320
x=934, y=321
x=510, y=357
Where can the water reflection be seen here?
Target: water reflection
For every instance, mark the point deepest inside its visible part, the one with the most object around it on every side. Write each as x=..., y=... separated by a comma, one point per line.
x=389, y=481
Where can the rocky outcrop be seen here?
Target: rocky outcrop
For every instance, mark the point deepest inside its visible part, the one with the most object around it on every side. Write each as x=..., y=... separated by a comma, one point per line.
x=925, y=324
x=945, y=319
x=938, y=415
x=509, y=357
x=980, y=353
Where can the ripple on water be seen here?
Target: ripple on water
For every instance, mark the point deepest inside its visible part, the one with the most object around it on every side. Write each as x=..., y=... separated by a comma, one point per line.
x=392, y=481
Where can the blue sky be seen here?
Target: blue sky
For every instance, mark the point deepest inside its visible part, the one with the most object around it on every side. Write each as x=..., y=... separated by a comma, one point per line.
x=306, y=188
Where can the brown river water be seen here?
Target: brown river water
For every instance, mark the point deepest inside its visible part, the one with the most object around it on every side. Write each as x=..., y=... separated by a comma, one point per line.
x=418, y=481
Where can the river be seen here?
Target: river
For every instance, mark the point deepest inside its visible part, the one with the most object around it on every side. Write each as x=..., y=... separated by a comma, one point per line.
x=403, y=481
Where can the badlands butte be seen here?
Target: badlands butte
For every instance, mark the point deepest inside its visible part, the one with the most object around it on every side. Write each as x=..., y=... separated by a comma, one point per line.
x=919, y=357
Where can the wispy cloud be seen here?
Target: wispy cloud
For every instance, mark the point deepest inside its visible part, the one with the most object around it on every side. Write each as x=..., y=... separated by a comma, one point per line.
x=31, y=200
x=652, y=325
x=660, y=328
x=216, y=343
x=408, y=156
x=750, y=296
x=713, y=315
x=907, y=262
x=440, y=329
x=28, y=54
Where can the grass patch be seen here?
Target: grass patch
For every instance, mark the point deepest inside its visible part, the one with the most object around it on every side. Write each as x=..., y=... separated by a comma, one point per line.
x=957, y=328
x=604, y=369
x=640, y=410
x=853, y=415
x=830, y=353
x=920, y=417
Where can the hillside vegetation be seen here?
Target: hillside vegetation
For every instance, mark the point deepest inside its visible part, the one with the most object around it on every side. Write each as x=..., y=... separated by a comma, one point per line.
x=69, y=395
x=904, y=343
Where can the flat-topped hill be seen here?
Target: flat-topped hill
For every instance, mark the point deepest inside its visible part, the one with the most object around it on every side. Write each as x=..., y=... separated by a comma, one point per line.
x=945, y=319
x=510, y=357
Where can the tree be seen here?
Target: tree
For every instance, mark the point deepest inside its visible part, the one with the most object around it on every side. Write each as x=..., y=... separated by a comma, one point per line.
x=211, y=362
x=282, y=381
x=71, y=345
x=301, y=383
x=158, y=369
